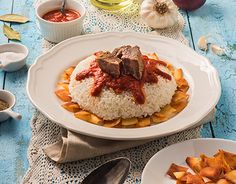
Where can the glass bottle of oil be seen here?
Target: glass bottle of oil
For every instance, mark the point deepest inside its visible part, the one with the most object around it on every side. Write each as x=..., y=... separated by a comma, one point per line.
x=111, y=4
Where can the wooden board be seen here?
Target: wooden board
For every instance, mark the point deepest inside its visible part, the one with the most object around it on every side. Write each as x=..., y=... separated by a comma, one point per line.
x=15, y=136
x=206, y=130
x=217, y=19
x=5, y=7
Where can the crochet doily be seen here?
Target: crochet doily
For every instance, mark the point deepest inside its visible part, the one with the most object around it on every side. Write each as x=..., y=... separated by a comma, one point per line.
x=44, y=132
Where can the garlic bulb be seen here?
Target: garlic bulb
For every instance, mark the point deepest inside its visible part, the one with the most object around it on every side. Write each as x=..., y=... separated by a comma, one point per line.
x=159, y=13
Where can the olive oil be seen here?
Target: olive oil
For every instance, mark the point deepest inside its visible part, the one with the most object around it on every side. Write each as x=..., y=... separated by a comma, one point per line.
x=111, y=5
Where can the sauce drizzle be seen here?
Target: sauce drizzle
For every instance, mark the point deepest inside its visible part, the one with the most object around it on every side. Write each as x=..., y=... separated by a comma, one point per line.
x=124, y=82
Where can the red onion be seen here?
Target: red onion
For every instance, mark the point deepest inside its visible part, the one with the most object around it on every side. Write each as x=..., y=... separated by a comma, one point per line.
x=189, y=4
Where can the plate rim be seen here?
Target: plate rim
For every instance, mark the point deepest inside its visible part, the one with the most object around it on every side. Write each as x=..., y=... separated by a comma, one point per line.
x=120, y=34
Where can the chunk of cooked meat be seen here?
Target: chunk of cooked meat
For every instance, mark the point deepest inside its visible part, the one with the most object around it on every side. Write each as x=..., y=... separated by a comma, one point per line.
x=126, y=60
x=132, y=62
x=109, y=64
x=118, y=52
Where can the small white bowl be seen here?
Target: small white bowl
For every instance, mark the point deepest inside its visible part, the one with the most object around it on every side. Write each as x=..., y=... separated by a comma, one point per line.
x=59, y=31
x=11, y=66
x=11, y=100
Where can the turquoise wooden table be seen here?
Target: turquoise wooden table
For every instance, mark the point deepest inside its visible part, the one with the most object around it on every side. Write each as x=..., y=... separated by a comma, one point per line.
x=215, y=18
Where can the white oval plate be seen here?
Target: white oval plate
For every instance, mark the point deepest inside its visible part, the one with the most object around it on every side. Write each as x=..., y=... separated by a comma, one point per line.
x=156, y=168
x=43, y=75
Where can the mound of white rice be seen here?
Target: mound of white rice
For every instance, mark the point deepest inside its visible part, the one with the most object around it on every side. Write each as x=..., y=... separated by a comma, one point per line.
x=110, y=105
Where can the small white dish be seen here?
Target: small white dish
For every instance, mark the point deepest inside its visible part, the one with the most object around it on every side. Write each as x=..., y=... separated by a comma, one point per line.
x=9, y=98
x=59, y=31
x=205, y=88
x=156, y=168
x=14, y=64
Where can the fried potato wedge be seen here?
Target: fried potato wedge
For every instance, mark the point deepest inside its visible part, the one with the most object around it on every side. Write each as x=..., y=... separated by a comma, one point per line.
x=184, y=88
x=65, y=78
x=184, y=178
x=231, y=176
x=182, y=85
x=175, y=168
x=216, y=162
x=194, y=179
x=129, y=121
x=84, y=115
x=111, y=123
x=223, y=181
x=63, y=95
x=225, y=165
x=178, y=74
x=171, y=68
x=230, y=158
x=179, y=175
x=87, y=116
x=167, y=110
x=143, y=122
x=166, y=113
x=69, y=70
x=95, y=119
x=179, y=105
x=182, y=82
x=178, y=96
x=63, y=85
x=158, y=119
x=194, y=163
x=72, y=107
x=213, y=174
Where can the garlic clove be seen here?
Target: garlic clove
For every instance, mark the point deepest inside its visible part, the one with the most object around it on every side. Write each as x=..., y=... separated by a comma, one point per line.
x=217, y=50
x=202, y=43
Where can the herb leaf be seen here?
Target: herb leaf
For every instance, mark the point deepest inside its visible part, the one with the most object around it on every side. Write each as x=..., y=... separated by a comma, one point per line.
x=11, y=33
x=14, y=18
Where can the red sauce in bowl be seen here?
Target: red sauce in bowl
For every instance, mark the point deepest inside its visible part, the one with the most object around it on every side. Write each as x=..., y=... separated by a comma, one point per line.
x=58, y=16
x=125, y=82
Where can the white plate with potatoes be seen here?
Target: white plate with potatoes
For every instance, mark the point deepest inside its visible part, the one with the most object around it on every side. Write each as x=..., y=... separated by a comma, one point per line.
x=204, y=84
x=184, y=155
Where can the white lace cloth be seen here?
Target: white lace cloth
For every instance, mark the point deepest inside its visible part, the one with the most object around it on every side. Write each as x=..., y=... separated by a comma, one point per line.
x=45, y=132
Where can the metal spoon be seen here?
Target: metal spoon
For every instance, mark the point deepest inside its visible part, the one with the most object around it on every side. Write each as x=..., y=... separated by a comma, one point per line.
x=112, y=172
x=63, y=6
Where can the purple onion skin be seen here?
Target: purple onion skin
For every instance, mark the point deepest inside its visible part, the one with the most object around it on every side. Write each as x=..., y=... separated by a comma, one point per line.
x=189, y=4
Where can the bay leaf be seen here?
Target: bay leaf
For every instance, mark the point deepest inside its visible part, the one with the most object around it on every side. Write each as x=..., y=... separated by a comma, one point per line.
x=10, y=33
x=14, y=18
